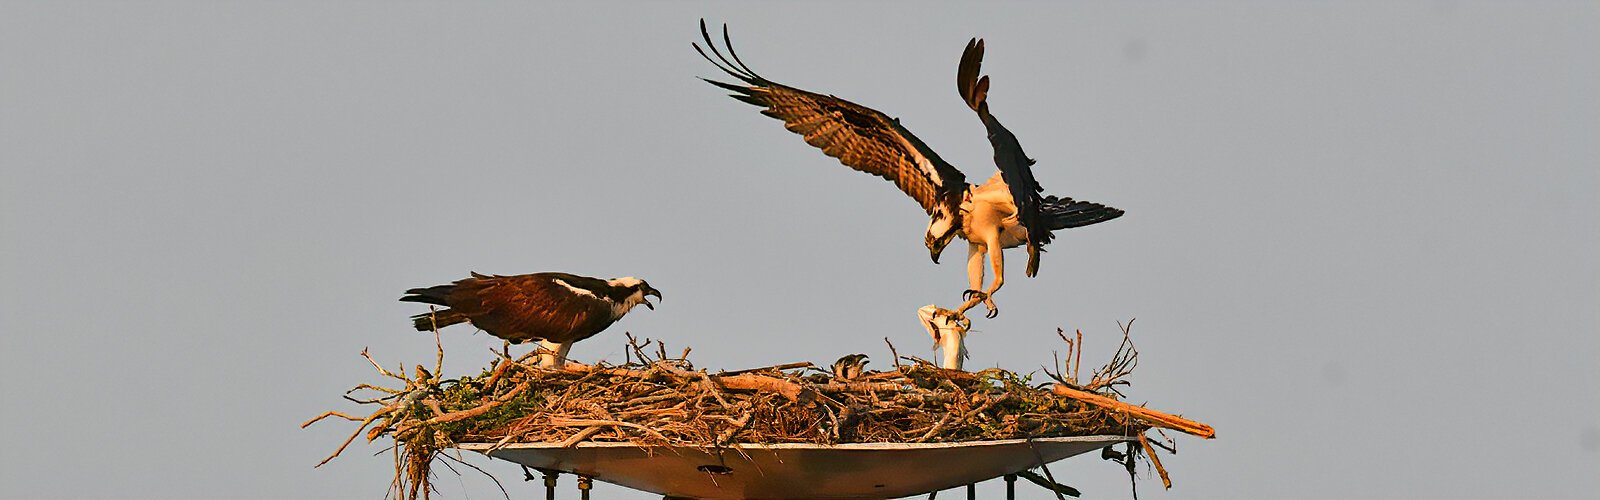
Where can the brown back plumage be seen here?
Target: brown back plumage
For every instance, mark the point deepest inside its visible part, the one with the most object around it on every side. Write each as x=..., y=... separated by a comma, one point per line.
x=519, y=308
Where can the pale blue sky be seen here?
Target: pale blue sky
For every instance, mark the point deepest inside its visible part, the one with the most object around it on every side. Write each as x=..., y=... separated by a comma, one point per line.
x=1360, y=240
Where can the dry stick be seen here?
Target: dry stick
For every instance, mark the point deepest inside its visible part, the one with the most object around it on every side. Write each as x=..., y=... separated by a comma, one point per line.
x=892, y=352
x=1165, y=481
x=935, y=429
x=583, y=422
x=1158, y=418
x=1048, y=484
x=1047, y=474
x=372, y=388
x=364, y=424
x=1067, y=368
x=837, y=387
x=398, y=483
x=790, y=390
x=479, y=469
x=375, y=364
x=330, y=414
x=433, y=404
x=1079, y=362
x=499, y=371
x=739, y=425
x=785, y=366
x=438, y=361
x=586, y=433
x=1171, y=446
x=711, y=387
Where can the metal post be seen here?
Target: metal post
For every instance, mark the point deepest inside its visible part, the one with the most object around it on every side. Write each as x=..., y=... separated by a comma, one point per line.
x=550, y=483
x=585, y=483
x=1011, y=487
x=972, y=491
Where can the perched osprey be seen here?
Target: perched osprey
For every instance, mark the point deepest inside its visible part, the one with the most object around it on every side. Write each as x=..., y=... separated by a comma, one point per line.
x=1004, y=212
x=556, y=309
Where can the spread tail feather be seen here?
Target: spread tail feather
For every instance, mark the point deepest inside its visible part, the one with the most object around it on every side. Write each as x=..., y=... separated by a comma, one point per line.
x=430, y=321
x=435, y=295
x=1065, y=213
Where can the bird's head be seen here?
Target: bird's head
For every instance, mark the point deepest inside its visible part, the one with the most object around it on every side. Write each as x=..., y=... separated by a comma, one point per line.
x=639, y=291
x=941, y=230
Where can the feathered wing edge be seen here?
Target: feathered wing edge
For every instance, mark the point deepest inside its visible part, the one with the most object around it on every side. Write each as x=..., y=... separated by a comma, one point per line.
x=859, y=137
x=1015, y=166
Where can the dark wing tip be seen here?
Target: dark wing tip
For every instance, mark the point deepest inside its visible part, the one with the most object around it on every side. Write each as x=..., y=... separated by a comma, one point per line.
x=973, y=89
x=734, y=67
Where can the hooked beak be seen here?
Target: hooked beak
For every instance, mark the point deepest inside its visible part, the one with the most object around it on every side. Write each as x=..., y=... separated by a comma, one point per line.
x=934, y=248
x=648, y=293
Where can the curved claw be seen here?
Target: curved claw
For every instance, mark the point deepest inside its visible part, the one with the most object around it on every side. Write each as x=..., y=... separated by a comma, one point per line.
x=988, y=303
x=969, y=294
x=955, y=316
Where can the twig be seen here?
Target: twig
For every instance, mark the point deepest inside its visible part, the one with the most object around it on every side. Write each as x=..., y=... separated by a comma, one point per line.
x=1077, y=364
x=364, y=424
x=1060, y=489
x=581, y=435
x=375, y=364
x=484, y=472
x=1157, y=418
x=935, y=429
x=785, y=366
x=1165, y=481
x=576, y=422
x=1040, y=458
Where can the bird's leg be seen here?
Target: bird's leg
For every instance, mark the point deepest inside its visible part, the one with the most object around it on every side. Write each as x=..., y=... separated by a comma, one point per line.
x=973, y=294
x=553, y=354
x=998, y=259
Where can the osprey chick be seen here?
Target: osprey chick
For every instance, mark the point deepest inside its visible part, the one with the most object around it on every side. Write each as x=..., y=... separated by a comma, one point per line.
x=557, y=309
x=850, y=366
x=1006, y=211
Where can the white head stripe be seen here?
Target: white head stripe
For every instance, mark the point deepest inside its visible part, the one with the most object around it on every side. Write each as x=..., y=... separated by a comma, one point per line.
x=624, y=282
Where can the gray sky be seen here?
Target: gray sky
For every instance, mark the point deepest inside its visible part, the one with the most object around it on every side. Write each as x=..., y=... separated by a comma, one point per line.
x=1360, y=239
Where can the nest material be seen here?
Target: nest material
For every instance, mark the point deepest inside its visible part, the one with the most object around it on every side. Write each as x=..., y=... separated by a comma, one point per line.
x=655, y=399
x=667, y=402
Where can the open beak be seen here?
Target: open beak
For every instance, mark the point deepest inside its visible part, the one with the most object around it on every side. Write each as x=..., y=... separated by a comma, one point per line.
x=648, y=294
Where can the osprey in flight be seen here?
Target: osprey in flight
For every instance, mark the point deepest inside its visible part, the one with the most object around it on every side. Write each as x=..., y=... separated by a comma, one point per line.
x=1004, y=212
x=556, y=309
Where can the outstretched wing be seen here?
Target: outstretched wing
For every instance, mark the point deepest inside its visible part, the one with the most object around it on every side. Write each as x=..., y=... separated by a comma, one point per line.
x=860, y=137
x=1015, y=166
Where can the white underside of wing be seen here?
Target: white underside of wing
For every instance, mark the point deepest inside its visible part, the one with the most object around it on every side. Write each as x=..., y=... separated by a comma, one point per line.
x=921, y=161
x=576, y=290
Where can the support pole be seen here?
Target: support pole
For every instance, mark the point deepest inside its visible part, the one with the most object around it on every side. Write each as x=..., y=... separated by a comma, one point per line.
x=585, y=483
x=1011, y=487
x=972, y=491
x=550, y=483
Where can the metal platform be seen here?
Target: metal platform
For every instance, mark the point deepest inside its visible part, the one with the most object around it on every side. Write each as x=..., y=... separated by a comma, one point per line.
x=796, y=471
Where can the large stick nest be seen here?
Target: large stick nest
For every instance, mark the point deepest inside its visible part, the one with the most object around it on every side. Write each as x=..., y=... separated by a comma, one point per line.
x=657, y=399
